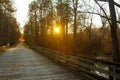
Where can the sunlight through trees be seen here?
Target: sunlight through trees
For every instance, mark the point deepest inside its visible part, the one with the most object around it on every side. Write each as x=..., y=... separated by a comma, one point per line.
x=77, y=31
x=57, y=30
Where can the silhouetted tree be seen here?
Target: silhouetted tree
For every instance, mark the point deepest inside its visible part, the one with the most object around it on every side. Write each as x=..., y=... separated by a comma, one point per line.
x=9, y=31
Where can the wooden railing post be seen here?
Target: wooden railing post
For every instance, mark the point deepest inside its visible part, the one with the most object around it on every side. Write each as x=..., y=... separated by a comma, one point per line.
x=111, y=70
x=93, y=68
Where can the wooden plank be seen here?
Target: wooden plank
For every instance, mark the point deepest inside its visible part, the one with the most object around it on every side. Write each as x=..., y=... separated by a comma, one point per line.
x=22, y=63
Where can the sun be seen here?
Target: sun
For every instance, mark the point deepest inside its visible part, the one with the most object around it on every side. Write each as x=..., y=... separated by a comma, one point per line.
x=56, y=29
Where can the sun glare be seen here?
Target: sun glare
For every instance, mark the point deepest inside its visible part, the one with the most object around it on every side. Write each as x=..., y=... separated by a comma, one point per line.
x=56, y=29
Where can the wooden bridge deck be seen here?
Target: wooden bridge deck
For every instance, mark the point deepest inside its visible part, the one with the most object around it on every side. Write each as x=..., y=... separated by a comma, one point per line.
x=24, y=64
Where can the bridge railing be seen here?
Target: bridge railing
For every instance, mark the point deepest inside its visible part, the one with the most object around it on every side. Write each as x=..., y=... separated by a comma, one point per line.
x=94, y=68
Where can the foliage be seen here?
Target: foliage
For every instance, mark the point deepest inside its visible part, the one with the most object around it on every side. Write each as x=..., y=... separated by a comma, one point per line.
x=77, y=35
x=9, y=30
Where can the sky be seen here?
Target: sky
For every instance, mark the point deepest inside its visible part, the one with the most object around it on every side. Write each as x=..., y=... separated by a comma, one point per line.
x=22, y=7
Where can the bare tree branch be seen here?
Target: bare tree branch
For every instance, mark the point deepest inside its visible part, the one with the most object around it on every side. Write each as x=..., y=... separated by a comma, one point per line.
x=97, y=14
x=103, y=11
x=116, y=4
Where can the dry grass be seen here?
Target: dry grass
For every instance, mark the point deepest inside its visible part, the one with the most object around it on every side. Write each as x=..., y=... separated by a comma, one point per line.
x=3, y=48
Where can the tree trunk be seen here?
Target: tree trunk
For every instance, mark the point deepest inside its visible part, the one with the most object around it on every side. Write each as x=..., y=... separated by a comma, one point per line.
x=116, y=54
x=36, y=29
x=75, y=6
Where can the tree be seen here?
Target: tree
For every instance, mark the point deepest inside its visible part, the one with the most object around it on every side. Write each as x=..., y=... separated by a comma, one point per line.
x=75, y=8
x=113, y=26
x=8, y=24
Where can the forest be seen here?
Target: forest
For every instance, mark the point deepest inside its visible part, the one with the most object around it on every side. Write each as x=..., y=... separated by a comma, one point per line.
x=9, y=29
x=68, y=26
x=60, y=39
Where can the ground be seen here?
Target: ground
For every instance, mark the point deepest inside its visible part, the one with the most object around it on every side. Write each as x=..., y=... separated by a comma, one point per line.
x=21, y=63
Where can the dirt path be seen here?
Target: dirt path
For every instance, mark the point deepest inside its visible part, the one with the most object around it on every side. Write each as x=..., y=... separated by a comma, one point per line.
x=21, y=63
